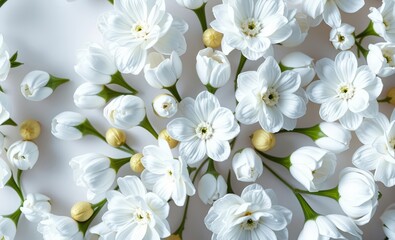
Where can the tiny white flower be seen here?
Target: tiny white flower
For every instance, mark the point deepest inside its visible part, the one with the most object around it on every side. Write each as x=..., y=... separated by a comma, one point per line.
x=247, y=165
x=337, y=139
x=34, y=86
x=5, y=108
x=212, y=67
x=254, y=215
x=23, y=154
x=300, y=63
x=204, y=128
x=125, y=111
x=7, y=229
x=358, y=194
x=342, y=37
x=191, y=4
x=134, y=27
x=273, y=98
x=211, y=188
x=5, y=64
x=381, y=59
x=345, y=91
x=65, y=125
x=161, y=72
x=93, y=171
x=36, y=207
x=59, y=227
x=249, y=27
x=165, y=105
x=388, y=219
x=5, y=173
x=103, y=231
x=164, y=175
x=312, y=166
x=133, y=213
x=330, y=227
x=378, y=152
x=383, y=20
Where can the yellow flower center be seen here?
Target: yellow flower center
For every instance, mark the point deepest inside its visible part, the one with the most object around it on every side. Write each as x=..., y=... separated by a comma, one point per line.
x=270, y=97
x=346, y=91
x=204, y=131
x=142, y=217
x=251, y=27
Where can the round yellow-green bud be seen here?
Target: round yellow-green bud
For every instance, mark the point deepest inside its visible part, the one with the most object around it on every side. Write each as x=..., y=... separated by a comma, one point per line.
x=81, y=211
x=391, y=96
x=30, y=129
x=174, y=237
x=165, y=136
x=115, y=137
x=262, y=140
x=212, y=38
x=135, y=163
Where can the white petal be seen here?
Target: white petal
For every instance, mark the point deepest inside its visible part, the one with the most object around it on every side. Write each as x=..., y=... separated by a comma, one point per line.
x=131, y=185
x=351, y=121
x=271, y=119
x=218, y=150
x=359, y=102
x=332, y=14
x=181, y=129
x=346, y=66
x=205, y=103
x=292, y=106
x=333, y=109
x=193, y=151
x=247, y=110
x=320, y=92
x=350, y=6
x=269, y=71
x=385, y=173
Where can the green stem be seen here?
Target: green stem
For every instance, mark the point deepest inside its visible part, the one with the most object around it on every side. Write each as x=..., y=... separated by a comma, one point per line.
x=309, y=213
x=211, y=89
x=118, y=79
x=369, y=31
x=201, y=14
x=242, y=62
x=330, y=193
x=55, y=82
x=313, y=132
x=229, y=183
x=86, y=128
x=386, y=100
x=173, y=90
x=107, y=94
x=279, y=177
x=147, y=125
x=83, y=227
x=9, y=122
x=18, y=177
x=285, y=161
x=127, y=149
x=12, y=184
x=117, y=163
x=15, y=216
x=361, y=50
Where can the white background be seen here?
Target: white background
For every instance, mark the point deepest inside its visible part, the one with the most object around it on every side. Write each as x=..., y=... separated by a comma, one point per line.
x=47, y=35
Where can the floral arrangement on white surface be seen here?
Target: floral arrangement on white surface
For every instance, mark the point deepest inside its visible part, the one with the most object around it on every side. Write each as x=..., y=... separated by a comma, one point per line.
x=141, y=36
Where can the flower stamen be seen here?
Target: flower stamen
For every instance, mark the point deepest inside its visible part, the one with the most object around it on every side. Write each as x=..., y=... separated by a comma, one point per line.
x=204, y=131
x=271, y=97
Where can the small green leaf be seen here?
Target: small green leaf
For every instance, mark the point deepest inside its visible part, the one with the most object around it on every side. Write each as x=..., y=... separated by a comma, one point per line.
x=13, y=61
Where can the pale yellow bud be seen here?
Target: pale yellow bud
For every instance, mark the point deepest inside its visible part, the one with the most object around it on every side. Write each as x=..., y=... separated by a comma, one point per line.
x=115, y=137
x=81, y=211
x=174, y=237
x=135, y=163
x=262, y=140
x=391, y=96
x=30, y=130
x=212, y=38
x=165, y=136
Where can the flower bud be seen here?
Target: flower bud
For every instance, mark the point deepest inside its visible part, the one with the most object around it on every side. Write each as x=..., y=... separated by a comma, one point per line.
x=391, y=96
x=388, y=219
x=23, y=154
x=262, y=140
x=212, y=67
x=247, y=165
x=135, y=163
x=165, y=105
x=300, y=63
x=174, y=237
x=81, y=211
x=5, y=64
x=191, y=4
x=165, y=136
x=30, y=129
x=211, y=188
x=35, y=207
x=115, y=137
x=212, y=38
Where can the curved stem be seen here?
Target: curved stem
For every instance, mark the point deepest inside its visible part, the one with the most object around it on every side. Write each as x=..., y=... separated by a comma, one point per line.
x=285, y=161
x=147, y=125
x=308, y=211
x=201, y=14
x=313, y=132
x=385, y=100
x=279, y=177
x=118, y=79
x=85, y=225
x=242, y=62
x=330, y=193
x=229, y=183
x=173, y=90
x=361, y=49
x=125, y=147
x=86, y=128
x=369, y=31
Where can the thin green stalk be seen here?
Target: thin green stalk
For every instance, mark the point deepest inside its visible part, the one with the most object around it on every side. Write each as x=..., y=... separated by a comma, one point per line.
x=279, y=177
x=242, y=62
x=285, y=161
x=369, y=31
x=116, y=164
x=118, y=79
x=86, y=128
x=127, y=149
x=201, y=14
x=229, y=183
x=83, y=227
x=147, y=125
x=361, y=50
x=309, y=213
x=313, y=132
x=11, y=183
x=385, y=100
x=173, y=90
x=330, y=193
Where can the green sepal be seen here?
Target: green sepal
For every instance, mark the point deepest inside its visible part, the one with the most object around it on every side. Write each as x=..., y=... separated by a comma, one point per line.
x=107, y=94
x=55, y=82
x=13, y=61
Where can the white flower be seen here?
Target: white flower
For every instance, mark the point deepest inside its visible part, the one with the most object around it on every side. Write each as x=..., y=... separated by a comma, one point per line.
x=164, y=175
x=388, y=219
x=65, y=125
x=312, y=166
x=7, y=229
x=378, y=152
x=205, y=128
x=273, y=98
x=251, y=27
x=34, y=86
x=23, y=154
x=330, y=227
x=165, y=105
x=213, y=67
x=59, y=227
x=135, y=214
x=211, y=188
x=253, y=216
x=36, y=207
x=93, y=171
x=300, y=24
x=5, y=108
x=330, y=9
x=135, y=26
x=125, y=111
x=192, y=4
x=358, y=194
x=162, y=72
x=103, y=231
x=95, y=64
x=90, y=96
x=381, y=59
x=300, y=63
x=337, y=138
x=5, y=173
x=342, y=37
x=247, y=165
x=345, y=91
x=383, y=20
x=5, y=64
